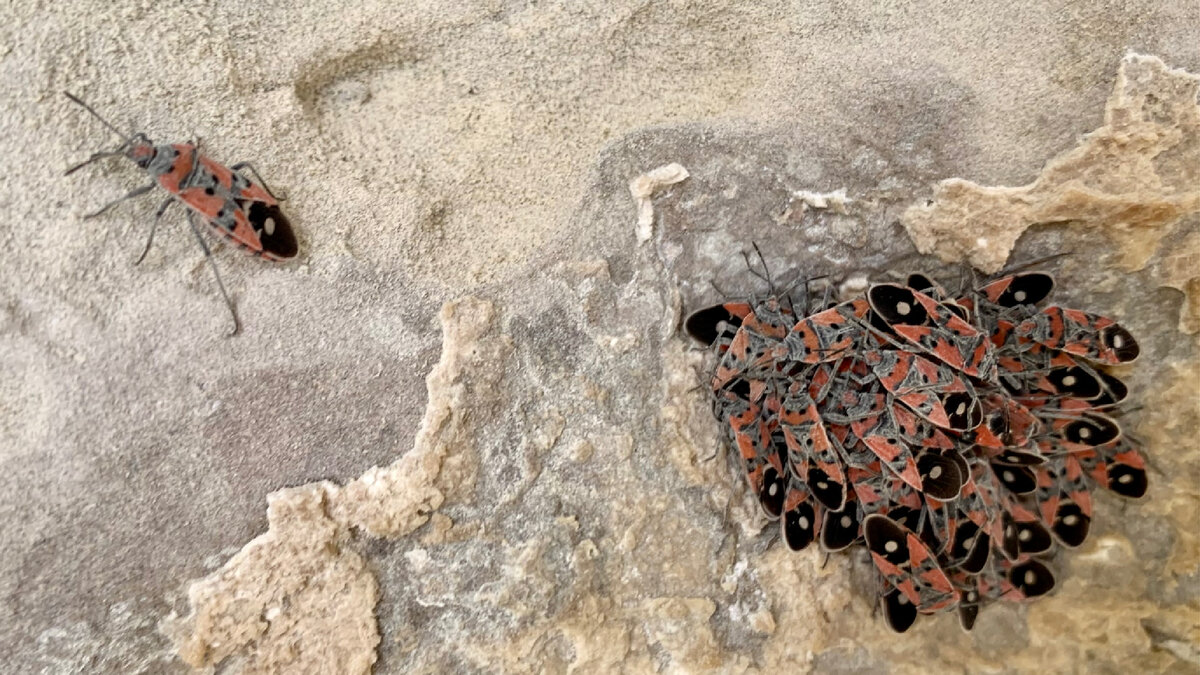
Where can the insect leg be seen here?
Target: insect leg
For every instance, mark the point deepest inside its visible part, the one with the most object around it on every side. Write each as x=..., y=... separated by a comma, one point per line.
x=96, y=156
x=247, y=165
x=237, y=325
x=132, y=193
x=162, y=208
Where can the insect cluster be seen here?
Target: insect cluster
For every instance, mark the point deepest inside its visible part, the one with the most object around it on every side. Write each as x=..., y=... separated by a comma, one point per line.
x=957, y=437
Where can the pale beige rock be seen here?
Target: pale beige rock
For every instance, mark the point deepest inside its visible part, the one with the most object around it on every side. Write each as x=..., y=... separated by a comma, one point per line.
x=837, y=201
x=643, y=188
x=1180, y=269
x=1170, y=422
x=679, y=626
x=691, y=441
x=1130, y=180
x=296, y=599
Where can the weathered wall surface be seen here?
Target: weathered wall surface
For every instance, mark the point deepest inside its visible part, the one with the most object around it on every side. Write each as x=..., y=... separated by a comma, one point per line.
x=551, y=495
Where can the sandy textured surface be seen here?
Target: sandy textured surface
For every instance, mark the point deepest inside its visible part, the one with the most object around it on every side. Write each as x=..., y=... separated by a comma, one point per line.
x=481, y=440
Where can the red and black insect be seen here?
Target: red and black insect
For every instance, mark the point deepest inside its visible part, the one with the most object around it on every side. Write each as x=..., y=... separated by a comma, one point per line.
x=237, y=208
x=935, y=328
x=1091, y=336
x=956, y=436
x=909, y=567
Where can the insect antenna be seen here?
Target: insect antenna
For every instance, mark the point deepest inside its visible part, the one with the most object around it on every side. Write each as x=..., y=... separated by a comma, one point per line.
x=1033, y=263
x=125, y=137
x=786, y=292
x=129, y=140
x=751, y=270
x=766, y=270
x=725, y=295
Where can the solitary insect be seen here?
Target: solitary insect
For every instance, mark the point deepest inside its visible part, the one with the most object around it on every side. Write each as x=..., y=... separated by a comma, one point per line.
x=233, y=205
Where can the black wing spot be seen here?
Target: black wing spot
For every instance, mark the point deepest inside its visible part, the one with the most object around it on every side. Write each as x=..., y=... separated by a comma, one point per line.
x=964, y=470
x=798, y=527
x=958, y=310
x=962, y=410
x=886, y=538
x=906, y=517
x=1010, y=545
x=1018, y=479
x=967, y=613
x=1121, y=342
x=1126, y=480
x=840, y=528
x=1016, y=458
x=1026, y=289
x=978, y=555
x=1033, y=537
x=897, y=305
x=830, y=493
x=773, y=492
x=1032, y=578
x=740, y=388
x=1071, y=525
x=703, y=324
x=898, y=611
x=964, y=539
x=939, y=476
x=1113, y=390
x=1074, y=381
x=920, y=282
x=279, y=239
x=1092, y=430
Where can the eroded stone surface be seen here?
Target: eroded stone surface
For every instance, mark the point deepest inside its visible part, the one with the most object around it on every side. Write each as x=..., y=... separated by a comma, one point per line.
x=294, y=599
x=297, y=598
x=1131, y=180
x=585, y=519
x=597, y=526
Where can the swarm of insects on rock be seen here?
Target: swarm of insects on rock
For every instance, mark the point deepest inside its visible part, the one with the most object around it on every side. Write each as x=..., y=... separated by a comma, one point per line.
x=958, y=437
x=237, y=208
